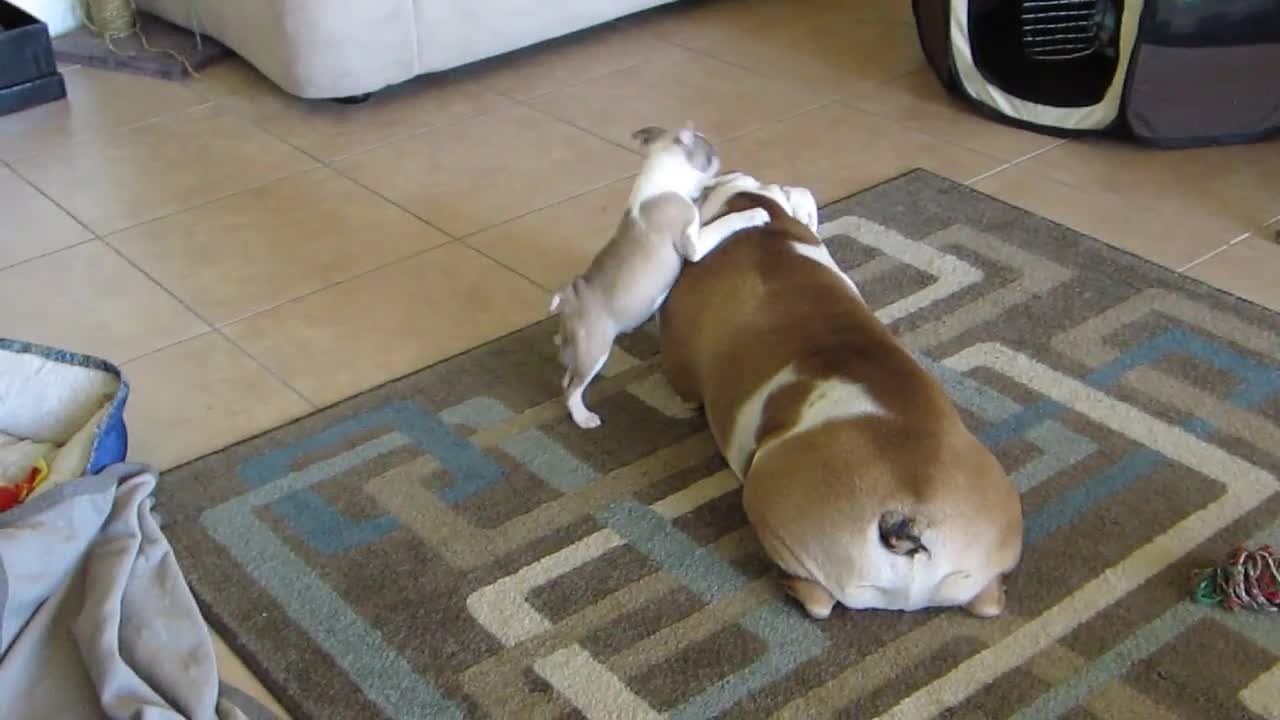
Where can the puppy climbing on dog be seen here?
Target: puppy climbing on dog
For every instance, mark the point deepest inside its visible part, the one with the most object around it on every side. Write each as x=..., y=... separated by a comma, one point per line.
x=630, y=277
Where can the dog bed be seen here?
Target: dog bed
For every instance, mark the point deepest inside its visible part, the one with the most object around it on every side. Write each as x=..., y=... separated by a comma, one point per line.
x=61, y=417
x=94, y=609
x=1174, y=73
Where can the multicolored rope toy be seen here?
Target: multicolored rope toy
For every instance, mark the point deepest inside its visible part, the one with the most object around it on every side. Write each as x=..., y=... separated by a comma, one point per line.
x=1250, y=580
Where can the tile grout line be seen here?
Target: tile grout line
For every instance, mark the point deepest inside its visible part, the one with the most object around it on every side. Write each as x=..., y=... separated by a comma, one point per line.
x=710, y=55
x=211, y=328
x=98, y=138
x=1227, y=246
x=328, y=286
x=987, y=174
x=95, y=236
x=51, y=253
x=418, y=131
x=820, y=99
x=1060, y=142
x=700, y=53
x=215, y=105
x=507, y=267
x=232, y=114
x=356, y=181
x=1057, y=143
x=40, y=191
x=212, y=200
x=584, y=80
x=574, y=125
x=266, y=368
x=465, y=237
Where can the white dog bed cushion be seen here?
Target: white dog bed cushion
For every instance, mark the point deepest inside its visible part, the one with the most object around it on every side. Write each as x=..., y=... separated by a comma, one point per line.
x=61, y=407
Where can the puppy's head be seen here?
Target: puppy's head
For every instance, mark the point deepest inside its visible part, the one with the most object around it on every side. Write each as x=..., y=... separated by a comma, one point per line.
x=685, y=144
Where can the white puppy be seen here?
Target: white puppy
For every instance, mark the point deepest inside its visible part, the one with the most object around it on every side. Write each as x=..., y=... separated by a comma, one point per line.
x=631, y=276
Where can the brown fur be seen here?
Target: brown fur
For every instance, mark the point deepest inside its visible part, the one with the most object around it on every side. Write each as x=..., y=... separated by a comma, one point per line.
x=736, y=319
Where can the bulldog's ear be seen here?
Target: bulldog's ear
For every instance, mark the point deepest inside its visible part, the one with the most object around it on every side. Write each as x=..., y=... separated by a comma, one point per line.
x=647, y=135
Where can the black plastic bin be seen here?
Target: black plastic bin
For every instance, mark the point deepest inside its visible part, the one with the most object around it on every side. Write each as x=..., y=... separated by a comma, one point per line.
x=28, y=74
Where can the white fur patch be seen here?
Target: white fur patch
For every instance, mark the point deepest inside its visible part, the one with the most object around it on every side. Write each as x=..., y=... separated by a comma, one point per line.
x=742, y=440
x=822, y=256
x=898, y=582
x=832, y=399
x=666, y=171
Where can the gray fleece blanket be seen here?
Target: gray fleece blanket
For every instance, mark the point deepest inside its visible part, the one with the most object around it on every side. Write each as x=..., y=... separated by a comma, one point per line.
x=96, y=619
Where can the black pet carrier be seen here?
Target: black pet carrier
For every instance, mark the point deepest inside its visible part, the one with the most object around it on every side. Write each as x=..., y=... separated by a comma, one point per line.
x=1170, y=72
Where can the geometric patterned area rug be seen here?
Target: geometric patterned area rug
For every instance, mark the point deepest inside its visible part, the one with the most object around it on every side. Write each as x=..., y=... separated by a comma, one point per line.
x=451, y=545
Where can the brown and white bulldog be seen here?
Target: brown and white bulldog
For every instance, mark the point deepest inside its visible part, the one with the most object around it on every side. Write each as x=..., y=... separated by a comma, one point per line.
x=859, y=476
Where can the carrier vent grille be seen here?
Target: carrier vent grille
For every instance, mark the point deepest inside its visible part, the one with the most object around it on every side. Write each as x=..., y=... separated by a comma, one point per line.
x=1060, y=29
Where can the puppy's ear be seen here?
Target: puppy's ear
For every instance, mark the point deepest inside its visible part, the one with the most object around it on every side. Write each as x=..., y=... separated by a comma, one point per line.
x=685, y=135
x=647, y=135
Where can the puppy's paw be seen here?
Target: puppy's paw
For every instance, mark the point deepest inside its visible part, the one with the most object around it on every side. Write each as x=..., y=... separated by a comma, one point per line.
x=583, y=417
x=586, y=419
x=725, y=178
x=687, y=244
x=755, y=217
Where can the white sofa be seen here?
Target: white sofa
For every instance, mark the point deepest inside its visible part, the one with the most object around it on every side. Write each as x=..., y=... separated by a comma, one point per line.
x=346, y=48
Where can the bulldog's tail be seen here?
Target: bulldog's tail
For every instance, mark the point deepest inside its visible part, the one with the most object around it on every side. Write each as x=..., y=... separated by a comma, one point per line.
x=900, y=533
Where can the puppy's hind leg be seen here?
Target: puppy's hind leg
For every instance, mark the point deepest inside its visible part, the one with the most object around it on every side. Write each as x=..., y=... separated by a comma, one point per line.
x=590, y=355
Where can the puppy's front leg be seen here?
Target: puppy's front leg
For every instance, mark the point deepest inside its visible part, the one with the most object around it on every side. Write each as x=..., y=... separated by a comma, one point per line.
x=697, y=243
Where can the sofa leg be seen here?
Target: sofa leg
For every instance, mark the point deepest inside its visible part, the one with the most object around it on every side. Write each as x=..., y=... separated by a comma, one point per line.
x=353, y=99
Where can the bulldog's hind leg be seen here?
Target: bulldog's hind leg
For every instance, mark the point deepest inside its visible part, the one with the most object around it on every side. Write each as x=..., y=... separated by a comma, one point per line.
x=990, y=602
x=816, y=600
x=678, y=370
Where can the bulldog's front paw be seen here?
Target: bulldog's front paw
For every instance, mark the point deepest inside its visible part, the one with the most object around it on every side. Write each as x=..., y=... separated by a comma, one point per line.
x=803, y=206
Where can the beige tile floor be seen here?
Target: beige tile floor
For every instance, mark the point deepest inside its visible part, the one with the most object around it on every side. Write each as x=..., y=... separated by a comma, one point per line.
x=248, y=257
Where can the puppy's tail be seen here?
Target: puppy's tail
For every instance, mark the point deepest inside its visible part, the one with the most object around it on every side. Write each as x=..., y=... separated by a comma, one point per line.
x=900, y=533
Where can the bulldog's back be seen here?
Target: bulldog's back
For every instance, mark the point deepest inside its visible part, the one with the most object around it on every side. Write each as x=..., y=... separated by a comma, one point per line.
x=858, y=472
